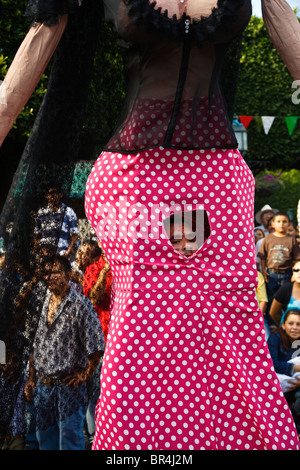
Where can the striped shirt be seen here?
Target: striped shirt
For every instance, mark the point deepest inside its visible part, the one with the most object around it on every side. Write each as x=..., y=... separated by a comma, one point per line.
x=56, y=227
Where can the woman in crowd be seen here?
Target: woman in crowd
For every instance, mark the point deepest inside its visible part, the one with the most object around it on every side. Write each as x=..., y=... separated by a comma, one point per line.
x=284, y=349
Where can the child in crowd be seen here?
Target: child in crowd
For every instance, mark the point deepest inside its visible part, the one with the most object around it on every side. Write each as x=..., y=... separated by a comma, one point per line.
x=277, y=253
x=259, y=233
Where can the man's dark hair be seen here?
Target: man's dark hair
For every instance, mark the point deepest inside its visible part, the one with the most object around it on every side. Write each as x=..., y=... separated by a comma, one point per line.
x=63, y=262
x=95, y=248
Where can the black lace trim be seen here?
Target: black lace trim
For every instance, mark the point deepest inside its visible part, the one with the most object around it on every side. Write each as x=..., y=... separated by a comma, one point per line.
x=47, y=11
x=151, y=19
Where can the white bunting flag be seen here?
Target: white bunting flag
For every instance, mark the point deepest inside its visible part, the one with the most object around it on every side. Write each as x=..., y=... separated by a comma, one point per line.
x=267, y=122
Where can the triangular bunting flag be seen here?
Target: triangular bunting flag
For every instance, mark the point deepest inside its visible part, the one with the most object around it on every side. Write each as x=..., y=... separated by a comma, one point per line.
x=267, y=122
x=291, y=122
x=245, y=120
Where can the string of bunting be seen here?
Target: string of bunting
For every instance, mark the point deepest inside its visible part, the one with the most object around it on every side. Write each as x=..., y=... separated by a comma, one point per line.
x=267, y=122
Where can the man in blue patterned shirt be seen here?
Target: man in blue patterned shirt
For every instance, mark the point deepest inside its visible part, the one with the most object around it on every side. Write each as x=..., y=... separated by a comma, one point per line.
x=67, y=348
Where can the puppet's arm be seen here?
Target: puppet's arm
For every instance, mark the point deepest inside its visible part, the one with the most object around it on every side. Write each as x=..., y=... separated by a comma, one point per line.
x=26, y=70
x=284, y=30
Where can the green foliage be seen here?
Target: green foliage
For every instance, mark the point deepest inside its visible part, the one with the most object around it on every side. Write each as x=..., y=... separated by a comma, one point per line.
x=265, y=89
x=3, y=65
x=106, y=93
x=26, y=118
x=13, y=28
x=287, y=195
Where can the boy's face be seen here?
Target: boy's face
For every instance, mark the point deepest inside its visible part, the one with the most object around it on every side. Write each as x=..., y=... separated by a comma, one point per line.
x=280, y=224
x=183, y=238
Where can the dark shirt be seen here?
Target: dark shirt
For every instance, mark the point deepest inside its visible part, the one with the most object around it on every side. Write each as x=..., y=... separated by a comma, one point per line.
x=284, y=293
x=281, y=356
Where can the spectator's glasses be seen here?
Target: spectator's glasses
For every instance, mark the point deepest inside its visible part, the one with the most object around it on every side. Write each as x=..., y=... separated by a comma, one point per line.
x=296, y=270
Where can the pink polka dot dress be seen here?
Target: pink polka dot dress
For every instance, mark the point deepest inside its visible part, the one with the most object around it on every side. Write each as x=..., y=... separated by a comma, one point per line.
x=186, y=365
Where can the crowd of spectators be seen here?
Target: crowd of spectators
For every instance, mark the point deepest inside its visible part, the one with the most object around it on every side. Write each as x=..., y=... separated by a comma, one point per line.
x=277, y=245
x=62, y=316
x=60, y=320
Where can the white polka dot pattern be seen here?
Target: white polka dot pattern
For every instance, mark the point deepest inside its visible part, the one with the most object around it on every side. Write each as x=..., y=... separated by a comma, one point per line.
x=186, y=364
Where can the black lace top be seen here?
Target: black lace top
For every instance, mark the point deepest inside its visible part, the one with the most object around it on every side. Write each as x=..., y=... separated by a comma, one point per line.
x=173, y=64
x=174, y=98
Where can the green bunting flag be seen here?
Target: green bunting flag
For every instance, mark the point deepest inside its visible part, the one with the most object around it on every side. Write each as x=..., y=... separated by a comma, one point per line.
x=291, y=122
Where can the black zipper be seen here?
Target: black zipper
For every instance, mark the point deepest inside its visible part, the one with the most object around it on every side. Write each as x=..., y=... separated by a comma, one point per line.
x=186, y=49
